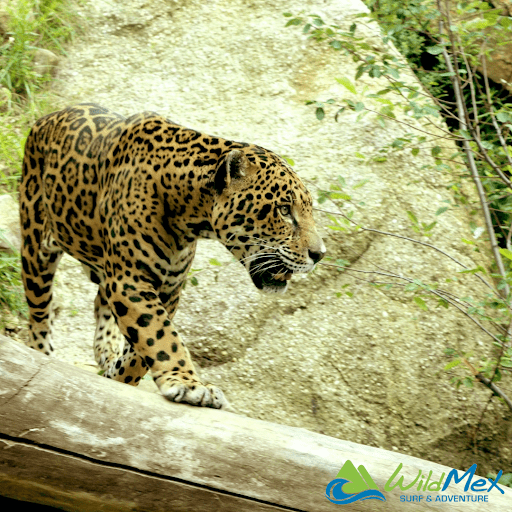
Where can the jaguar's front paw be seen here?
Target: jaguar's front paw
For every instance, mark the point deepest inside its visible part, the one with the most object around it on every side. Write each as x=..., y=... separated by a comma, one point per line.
x=193, y=394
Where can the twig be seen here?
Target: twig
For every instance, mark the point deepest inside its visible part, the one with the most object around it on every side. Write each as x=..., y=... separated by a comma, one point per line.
x=414, y=241
x=487, y=382
x=491, y=110
x=454, y=70
x=451, y=136
x=471, y=88
x=438, y=293
x=477, y=426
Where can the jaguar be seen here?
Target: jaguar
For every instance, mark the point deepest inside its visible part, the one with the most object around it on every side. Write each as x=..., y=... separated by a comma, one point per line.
x=129, y=198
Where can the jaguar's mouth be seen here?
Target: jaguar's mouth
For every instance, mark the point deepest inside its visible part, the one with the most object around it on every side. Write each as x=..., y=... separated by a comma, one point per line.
x=270, y=274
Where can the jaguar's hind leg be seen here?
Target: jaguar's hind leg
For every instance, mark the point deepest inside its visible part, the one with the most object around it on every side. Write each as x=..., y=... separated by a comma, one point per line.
x=113, y=353
x=39, y=257
x=40, y=253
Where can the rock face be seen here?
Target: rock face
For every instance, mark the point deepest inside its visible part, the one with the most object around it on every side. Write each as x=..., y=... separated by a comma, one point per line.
x=499, y=68
x=366, y=368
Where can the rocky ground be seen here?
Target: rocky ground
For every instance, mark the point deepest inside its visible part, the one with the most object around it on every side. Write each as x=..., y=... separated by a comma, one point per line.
x=366, y=367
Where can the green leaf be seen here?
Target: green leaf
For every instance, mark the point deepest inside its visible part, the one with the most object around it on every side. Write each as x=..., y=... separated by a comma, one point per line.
x=468, y=382
x=361, y=183
x=295, y=21
x=340, y=111
x=347, y=84
x=194, y=281
x=436, y=150
x=412, y=217
x=443, y=303
x=506, y=253
x=213, y=261
x=421, y=303
x=441, y=210
x=415, y=151
x=452, y=364
x=473, y=270
x=359, y=155
x=339, y=195
x=435, y=50
x=504, y=117
x=506, y=362
x=506, y=479
x=375, y=72
x=320, y=114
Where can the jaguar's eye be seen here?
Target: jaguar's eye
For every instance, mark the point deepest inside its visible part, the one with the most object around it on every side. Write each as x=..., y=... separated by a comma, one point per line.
x=285, y=210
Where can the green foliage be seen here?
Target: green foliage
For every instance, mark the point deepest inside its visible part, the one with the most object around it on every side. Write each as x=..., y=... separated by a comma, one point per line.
x=13, y=133
x=11, y=287
x=506, y=478
x=31, y=25
x=483, y=129
x=413, y=27
x=216, y=267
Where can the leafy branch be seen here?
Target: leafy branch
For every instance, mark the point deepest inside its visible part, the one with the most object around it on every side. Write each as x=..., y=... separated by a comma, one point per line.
x=483, y=137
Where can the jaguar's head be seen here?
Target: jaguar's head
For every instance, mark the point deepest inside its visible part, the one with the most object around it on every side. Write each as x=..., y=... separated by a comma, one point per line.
x=263, y=214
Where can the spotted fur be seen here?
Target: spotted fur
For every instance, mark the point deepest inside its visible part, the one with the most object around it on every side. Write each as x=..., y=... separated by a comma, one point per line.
x=129, y=197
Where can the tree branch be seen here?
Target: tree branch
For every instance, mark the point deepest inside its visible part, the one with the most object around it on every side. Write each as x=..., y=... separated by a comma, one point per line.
x=487, y=382
x=455, y=78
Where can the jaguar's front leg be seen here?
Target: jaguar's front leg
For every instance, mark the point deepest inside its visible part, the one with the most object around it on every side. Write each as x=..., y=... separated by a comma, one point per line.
x=148, y=327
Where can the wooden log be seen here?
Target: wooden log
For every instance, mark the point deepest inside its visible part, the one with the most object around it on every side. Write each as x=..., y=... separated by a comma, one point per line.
x=72, y=439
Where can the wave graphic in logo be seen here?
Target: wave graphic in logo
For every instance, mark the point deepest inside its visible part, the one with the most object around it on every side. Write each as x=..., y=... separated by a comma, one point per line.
x=334, y=493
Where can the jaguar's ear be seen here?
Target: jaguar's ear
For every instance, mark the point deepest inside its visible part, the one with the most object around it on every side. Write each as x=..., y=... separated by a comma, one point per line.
x=231, y=167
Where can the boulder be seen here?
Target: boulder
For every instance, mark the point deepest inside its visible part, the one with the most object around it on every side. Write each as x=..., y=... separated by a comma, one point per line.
x=9, y=223
x=45, y=62
x=366, y=366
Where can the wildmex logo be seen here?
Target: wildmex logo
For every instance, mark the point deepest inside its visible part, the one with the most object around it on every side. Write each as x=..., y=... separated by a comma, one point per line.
x=353, y=484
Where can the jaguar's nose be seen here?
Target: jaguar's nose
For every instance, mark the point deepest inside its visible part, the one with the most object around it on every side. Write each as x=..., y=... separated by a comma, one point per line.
x=316, y=256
